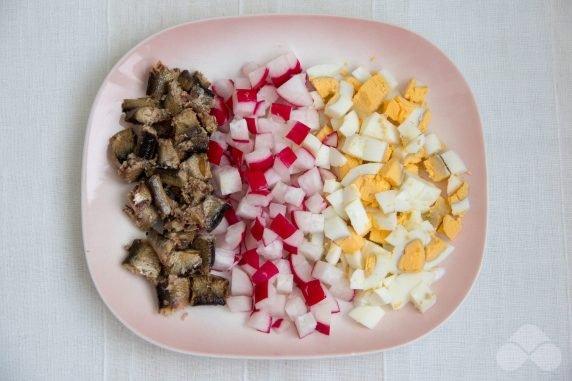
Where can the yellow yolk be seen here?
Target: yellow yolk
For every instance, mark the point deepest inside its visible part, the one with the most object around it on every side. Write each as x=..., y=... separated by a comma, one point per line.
x=371, y=94
x=392, y=172
x=351, y=163
x=324, y=131
x=369, y=185
x=352, y=243
x=434, y=249
x=369, y=265
x=325, y=86
x=451, y=226
x=387, y=154
x=397, y=109
x=413, y=257
x=437, y=211
x=460, y=194
x=378, y=236
x=436, y=168
x=425, y=119
x=354, y=82
x=415, y=93
x=413, y=168
x=415, y=158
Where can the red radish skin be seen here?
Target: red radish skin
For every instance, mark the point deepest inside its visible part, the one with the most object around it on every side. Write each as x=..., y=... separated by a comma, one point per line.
x=230, y=216
x=257, y=77
x=298, y=133
x=281, y=226
x=265, y=273
x=281, y=111
x=301, y=269
x=257, y=229
x=287, y=157
x=251, y=258
x=215, y=152
x=313, y=292
x=246, y=95
x=255, y=179
x=261, y=291
x=259, y=160
x=251, y=125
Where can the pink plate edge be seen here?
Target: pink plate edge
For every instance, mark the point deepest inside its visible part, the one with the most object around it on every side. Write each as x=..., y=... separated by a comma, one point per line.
x=278, y=357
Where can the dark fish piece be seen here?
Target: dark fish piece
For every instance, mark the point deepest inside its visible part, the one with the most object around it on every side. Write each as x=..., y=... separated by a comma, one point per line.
x=176, y=98
x=182, y=239
x=201, y=99
x=202, y=80
x=139, y=207
x=213, y=210
x=121, y=145
x=185, y=262
x=197, y=166
x=208, y=290
x=169, y=176
x=186, y=124
x=164, y=129
x=167, y=157
x=133, y=168
x=142, y=260
x=205, y=244
x=162, y=246
x=195, y=144
x=196, y=190
x=208, y=122
x=159, y=77
x=185, y=79
x=173, y=293
x=160, y=199
x=147, y=143
x=147, y=115
x=130, y=104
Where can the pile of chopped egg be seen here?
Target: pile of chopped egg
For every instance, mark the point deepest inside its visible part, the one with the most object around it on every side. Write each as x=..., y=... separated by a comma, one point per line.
x=399, y=197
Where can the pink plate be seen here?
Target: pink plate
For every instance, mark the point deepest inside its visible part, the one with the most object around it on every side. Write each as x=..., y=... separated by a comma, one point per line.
x=219, y=48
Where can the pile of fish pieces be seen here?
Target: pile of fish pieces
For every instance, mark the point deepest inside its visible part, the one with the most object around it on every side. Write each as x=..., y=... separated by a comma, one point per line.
x=164, y=152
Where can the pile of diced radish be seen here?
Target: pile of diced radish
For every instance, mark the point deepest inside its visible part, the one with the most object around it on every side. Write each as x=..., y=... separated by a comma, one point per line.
x=271, y=169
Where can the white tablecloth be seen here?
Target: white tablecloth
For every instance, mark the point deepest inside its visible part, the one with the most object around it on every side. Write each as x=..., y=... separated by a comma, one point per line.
x=517, y=57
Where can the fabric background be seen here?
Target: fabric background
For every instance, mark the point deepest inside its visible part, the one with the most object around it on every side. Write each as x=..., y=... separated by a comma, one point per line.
x=517, y=58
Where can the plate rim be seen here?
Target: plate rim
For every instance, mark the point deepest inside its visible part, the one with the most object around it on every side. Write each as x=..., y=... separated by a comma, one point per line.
x=84, y=203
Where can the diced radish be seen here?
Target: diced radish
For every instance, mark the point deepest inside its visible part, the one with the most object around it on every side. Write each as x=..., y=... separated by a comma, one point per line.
x=285, y=283
x=230, y=216
x=281, y=226
x=331, y=302
x=274, y=305
x=313, y=292
x=268, y=94
x=215, y=152
x=301, y=269
x=327, y=273
x=240, y=283
x=318, y=101
x=260, y=159
x=283, y=266
x=293, y=63
x=309, y=222
x=241, y=83
x=259, y=198
x=294, y=240
x=246, y=107
x=298, y=133
x=271, y=251
x=250, y=258
x=279, y=192
x=224, y=259
x=315, y=203
x=278, y=70
x=308, y=116
x=265, y=273
x=310, y=251
x=342, y=290
x=312, y=144
x=311, y=181
x=260, y=321
x=331, y=140
x=305, y=159
x=271, y=177
x=268, y=236
x=257, y=77
x=282, y=171
x=247, y=211
x=280, y=111
x=323, y=315
x=251, y=125
x=323, y=157
x=287, y=157
x=228, y=180
x=239, y=131
x=264, y=141
x=294, y=196
x=295, y=307
x=235, y=234
x=305, y=324
x=219, y=111
x=327, y=174
x=294, y=91
x=261, y=291
x=274, y=209
x=255, y=179
x=224, y=88
x=239, y=303
x=281, y=324
x=257, y=229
